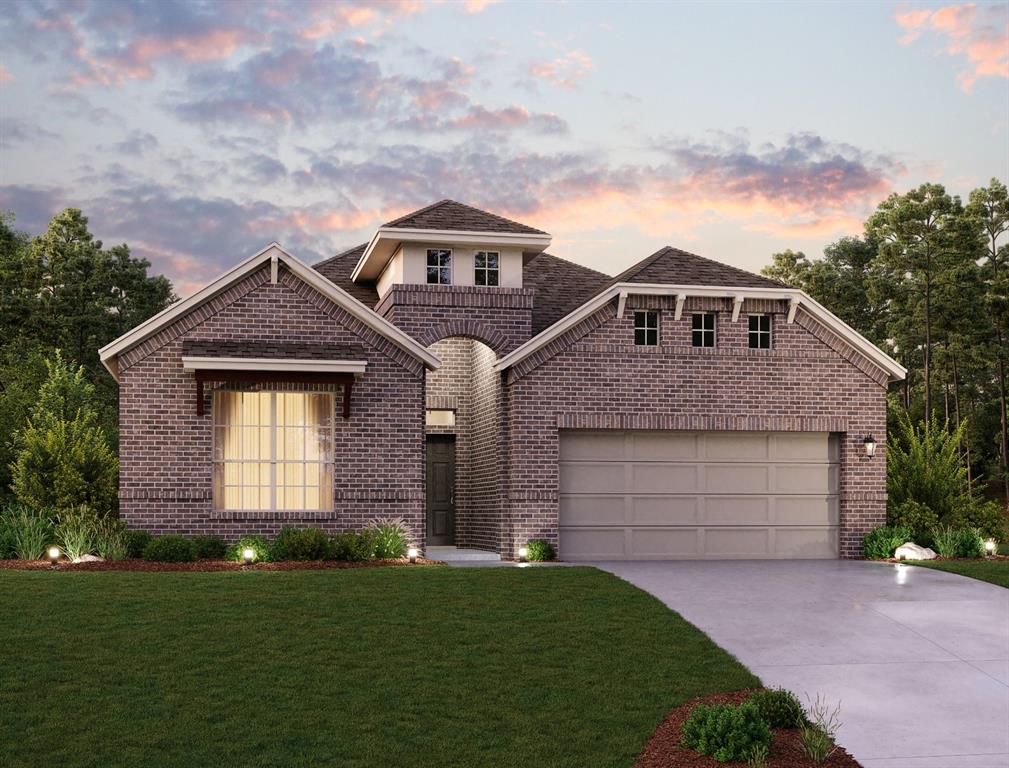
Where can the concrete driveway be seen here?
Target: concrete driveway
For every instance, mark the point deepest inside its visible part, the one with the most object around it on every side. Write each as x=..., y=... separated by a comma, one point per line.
x=919, y=659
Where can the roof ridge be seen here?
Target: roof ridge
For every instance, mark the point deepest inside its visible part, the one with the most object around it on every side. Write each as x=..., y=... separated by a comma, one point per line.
x=646, y=262
x=496, y=217
x=635, y=268
x=425, y=209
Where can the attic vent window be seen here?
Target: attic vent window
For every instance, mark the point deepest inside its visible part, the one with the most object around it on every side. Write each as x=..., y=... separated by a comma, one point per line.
x=646, y=329
x=487, y=265
x=760, y=331
x=439, y=266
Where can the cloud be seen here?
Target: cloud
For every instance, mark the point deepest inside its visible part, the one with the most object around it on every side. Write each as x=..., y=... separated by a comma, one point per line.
x=565, y=70
x=479, y=118
x=980, y=35
x=5, y=75
x=137, y=144
x=478, y=6
x=14, y=130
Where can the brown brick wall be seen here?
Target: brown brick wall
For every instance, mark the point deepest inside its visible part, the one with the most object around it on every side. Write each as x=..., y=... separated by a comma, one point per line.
x=165, y=448
x=597, y=378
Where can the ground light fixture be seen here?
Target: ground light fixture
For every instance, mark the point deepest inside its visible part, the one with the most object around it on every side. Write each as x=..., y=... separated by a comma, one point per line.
x=523, y=554
x=869, y=443
x=54, y=556
x=989, y=547
x=412, y=554
x=248, y=555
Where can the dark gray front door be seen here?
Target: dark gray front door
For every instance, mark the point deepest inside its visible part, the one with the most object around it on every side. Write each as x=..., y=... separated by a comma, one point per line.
x=440, y=490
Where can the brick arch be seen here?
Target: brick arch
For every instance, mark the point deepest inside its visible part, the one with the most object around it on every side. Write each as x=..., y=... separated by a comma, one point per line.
x=473, y=329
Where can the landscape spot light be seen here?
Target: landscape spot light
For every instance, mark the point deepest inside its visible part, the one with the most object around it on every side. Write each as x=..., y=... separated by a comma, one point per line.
x=412, y=554
x=523, y=554
x=248, y=555
x=54, y=555
x=989, y=547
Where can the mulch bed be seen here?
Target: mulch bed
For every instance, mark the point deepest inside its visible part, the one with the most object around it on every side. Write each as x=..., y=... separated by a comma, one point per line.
x=206, y=565
x=663, y=750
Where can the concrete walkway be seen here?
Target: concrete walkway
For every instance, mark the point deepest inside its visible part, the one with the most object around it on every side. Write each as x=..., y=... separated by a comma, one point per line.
x=919, y=659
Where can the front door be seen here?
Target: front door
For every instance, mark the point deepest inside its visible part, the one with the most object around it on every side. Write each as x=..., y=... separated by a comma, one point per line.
x=440, y=490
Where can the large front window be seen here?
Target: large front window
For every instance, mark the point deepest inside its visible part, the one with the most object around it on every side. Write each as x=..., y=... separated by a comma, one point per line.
x=273, y=450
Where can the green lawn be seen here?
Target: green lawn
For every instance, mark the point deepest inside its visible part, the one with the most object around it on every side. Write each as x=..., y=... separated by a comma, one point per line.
x=994, y=571
x=370, y=667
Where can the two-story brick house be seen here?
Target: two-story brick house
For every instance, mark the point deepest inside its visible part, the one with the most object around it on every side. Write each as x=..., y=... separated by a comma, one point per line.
x=452, y=373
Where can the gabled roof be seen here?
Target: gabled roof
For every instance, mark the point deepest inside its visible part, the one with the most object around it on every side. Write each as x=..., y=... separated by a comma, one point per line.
x=560, y=286
x=450, y=215
x=676, y=267
x=273, y=254
x=338, y=269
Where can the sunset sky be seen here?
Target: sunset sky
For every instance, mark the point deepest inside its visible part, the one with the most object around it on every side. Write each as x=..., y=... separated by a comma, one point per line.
x=199, y=132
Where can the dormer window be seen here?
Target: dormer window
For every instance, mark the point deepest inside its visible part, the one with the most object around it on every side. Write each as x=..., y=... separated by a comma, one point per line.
x=487, y=266
x=439, y=266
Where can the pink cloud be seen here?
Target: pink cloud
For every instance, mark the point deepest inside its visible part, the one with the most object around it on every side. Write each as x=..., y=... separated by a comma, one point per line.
x=565, y=70
x=478, y=6
x=5, y=75
x=981, y=36
x=328, y=19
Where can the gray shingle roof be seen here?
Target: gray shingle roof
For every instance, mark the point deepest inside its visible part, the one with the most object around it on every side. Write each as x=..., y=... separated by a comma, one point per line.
x=448, y=214
x=337, y=270
x=676, y=267
x=271, y=349
x=561, y=286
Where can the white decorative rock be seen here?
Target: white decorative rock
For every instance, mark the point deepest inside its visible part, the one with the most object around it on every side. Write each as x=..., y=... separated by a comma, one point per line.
x=89, y=559
x=911, y=551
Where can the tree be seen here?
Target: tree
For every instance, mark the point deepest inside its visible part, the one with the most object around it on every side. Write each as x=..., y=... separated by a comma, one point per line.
x=920, y=234
x=64, y=458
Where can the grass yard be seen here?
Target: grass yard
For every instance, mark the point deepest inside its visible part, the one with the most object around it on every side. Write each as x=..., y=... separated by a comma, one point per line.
x=391, y=666
x=993, y=571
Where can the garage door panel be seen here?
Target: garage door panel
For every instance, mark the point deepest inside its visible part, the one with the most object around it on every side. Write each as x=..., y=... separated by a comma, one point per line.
x=585, y=509
x=666, y=494
x=592, y=477
x=664, y=542
x=664, y=510
x=661, y=478
x=737, y=478
x=663, y=446
x=741, y=446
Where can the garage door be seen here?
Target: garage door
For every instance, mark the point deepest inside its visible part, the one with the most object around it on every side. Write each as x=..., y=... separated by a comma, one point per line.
x=655, y=495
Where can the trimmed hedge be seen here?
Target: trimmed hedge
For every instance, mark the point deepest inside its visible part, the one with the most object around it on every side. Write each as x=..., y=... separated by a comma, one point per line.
x=170, y=549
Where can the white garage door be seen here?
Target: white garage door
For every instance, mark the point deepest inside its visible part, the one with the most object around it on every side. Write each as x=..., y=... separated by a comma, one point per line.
x=655, y=495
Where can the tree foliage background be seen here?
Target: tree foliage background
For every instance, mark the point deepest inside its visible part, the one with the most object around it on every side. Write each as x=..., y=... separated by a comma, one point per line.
x=63, y=296
x=928, y=281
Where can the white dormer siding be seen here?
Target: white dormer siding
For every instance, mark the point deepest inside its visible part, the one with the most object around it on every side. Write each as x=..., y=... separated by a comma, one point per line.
x=408, y=265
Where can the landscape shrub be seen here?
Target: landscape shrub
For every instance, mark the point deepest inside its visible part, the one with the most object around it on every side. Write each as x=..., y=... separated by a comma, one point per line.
x=916, y=517
x=170, y=549
x=302, y=544
x=390, y=538
x=209, y=547
x=110, y=539
x=136, y=543
x=355, y=546
x=958, y=542
x=6, y=541
x=924, y=463
x=880, y=542
x=29, y=531
x=258, y=544
x=818, y=731
x=987, y=516
x=757, y=757
x=779, y=708
x=63, y=456
x=540, y=550
x=725, y=732
x=75, y=531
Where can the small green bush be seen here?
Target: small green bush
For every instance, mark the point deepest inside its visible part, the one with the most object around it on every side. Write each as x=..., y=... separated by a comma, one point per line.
x=987, y=516
x=918, y=518
x=170, y=549
x=136, y=543
x=390, y=539
x=110, y=539
x=29, y=531
x=958, y=542
x=75, y=531
x=725, y=732
x=355, y=546
x=302, y=544
x=540, y=550
x=258, y=544
x=6, y=541
x=209, y=547
x=880, y=542
x=779, y=708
